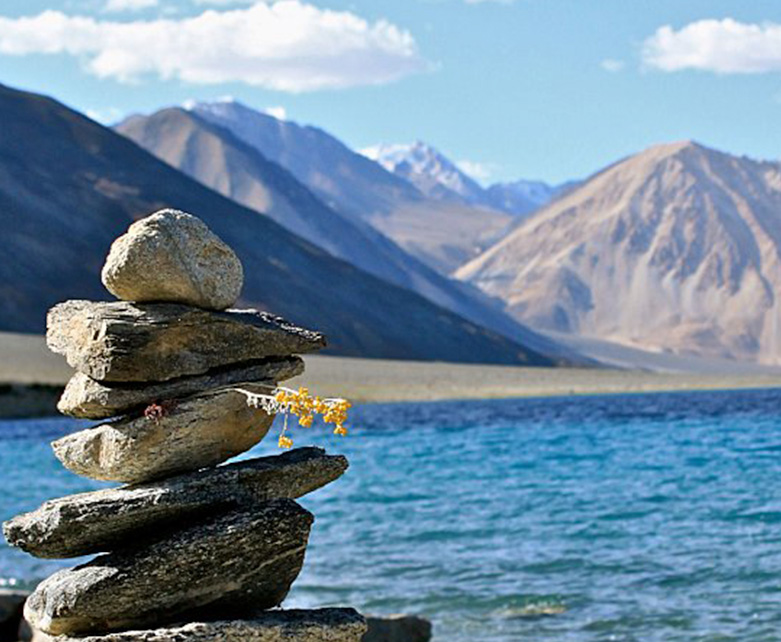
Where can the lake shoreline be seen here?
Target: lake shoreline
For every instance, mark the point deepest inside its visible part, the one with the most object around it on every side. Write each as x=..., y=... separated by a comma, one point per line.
x=31, y=380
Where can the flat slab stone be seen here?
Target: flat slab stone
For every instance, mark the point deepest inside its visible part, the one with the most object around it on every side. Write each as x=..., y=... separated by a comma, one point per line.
x=317, y=625
x=194, y=432
x=144, y=342
x=236, y=563
x=104, y=520
x=90, y=399
x=173, y=256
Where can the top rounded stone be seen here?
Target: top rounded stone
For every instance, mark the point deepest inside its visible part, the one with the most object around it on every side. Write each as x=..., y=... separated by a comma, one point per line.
x=173, y=256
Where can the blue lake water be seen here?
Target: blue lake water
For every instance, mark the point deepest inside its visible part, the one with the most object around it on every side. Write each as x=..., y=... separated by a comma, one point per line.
x=638, y=517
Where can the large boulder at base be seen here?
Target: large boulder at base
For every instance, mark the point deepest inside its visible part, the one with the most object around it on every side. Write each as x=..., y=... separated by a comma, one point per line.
x=107, y=519
x=173, y=256
x=230, y=565
x=90, y=399
x=318, y=625
x=397, y=628
x=123, y=341
x=11, y=605
x=188, y=434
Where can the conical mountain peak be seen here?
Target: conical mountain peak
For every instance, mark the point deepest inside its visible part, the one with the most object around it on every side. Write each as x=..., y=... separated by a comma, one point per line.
x=675, y=248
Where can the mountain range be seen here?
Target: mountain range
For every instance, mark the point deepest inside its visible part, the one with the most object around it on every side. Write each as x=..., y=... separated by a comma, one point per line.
x=214, y=156
x=675, y=249
x=438, y=177
x=440, y=233
x=69, y=186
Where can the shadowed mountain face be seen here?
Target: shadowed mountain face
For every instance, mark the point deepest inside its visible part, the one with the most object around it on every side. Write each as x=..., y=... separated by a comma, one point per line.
x=69, y=186
x=676, y=248
x=215, y=157
x=442, y=234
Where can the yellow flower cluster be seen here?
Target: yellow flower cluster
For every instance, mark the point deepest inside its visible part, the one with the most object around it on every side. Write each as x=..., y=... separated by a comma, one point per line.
x=285, y=442
x=304, y=406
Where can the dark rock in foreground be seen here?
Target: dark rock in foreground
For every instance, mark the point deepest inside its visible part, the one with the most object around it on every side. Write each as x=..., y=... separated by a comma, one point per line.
x=318, y=625
x=123, y=341
x=195, y=432
x=240, y=562
x=397, y=628
x=11, y=605
x=87, y=398
x=107, y=519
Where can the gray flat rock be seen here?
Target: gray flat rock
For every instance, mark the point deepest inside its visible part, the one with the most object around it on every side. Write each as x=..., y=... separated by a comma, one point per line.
x=173, y=256
x=144, y=342
x=195, y=432
x=318, y=625
x=236, y=563
x=90, y=399
x=104, y=520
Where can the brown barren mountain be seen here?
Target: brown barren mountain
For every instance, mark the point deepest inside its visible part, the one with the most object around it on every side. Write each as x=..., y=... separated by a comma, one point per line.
x=677, y=248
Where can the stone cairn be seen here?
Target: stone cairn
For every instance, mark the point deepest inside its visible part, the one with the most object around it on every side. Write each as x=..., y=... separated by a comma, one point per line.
x=188, y=550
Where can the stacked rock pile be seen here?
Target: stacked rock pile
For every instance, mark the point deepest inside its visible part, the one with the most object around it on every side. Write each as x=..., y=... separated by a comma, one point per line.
x=198, y=549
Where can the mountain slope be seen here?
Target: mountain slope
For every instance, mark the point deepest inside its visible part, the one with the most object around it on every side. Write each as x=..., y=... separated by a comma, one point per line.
x=69, y=186
x=676, y=248
x=219, y=160
x=442, y=234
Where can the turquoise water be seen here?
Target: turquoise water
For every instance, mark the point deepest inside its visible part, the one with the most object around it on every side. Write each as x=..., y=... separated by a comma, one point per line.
x=646, y=517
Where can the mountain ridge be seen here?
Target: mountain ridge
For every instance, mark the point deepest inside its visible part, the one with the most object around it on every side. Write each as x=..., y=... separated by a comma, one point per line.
x=436, y=176
x=675, y=248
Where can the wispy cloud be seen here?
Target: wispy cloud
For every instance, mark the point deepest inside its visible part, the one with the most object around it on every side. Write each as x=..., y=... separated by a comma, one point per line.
x=106, y=116
x=612, y=65
x=721, y=46
x=478, y=171
x=288, y=46
x=116, y=6
x=223, y=3
x=278, y=112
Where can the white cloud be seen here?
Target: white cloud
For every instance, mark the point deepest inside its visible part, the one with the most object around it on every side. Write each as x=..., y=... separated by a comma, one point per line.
x=105, y=116
x=478, y=171
x=722, y=46
x=279, y=112
x=612, y=65
x=224, y=3
x=129, y=5
x=288, y=46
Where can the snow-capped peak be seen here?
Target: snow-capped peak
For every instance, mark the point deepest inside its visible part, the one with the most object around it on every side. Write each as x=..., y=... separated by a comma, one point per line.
x=426, y=167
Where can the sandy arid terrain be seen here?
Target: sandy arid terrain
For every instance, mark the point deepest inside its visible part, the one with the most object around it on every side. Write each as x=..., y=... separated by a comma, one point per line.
x=24, y=359
x=364, y=380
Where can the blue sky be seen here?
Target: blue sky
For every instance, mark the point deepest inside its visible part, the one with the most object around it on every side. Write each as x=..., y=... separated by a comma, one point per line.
x=550, y=89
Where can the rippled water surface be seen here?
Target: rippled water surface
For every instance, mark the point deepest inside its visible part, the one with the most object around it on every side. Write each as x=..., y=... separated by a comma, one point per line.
x=645, y=517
